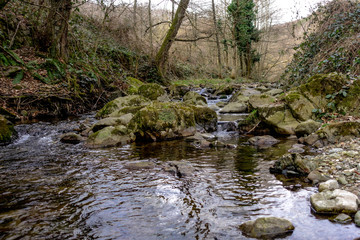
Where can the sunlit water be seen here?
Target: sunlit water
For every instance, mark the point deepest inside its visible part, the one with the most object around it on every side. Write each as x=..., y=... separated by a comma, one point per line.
x=50, y=190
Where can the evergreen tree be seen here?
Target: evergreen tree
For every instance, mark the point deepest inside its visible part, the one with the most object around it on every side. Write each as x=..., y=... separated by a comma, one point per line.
x=243, y=17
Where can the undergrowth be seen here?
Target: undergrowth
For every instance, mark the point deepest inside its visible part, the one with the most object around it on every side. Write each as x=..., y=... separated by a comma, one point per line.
x=334, y=45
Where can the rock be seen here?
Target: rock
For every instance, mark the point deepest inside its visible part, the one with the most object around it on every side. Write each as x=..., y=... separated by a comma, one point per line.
x=109, y=137
x=224, y=90
x=306, y=128
x=339, y=131
x=357, y=219
x=163, y=121
x=208, y=136
x=179, y=90
x=112, y=121
x=282, y=122
x=337, y=201
x=140, y=165
x=152, y=91
x=263, y=141
x=134, y=85
x=7, y=131
x=274, y=92
x=123, y=105
x=296, y=150
x=350, y=104
x=261, y=101
x=239, y=98
x=328, y=185
x=342, y=218
x=267, y=227
x=234, y=107
x=194, y=98
x=311, y=139
x=205, y=118
x=71, y=138
x=179, y=169
x=247, y=92
x=300, y=107
x=342, y=180
x=294, y=162
x=316, y=177
x=228, y=126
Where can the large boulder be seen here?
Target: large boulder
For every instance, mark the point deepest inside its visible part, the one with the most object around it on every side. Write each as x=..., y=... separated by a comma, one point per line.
x=282, y=122
x=7, y=131
x=267, y=228
x=129, y=103
x=205, y=118
x=339, y=131
x=321, y=85
x=109, y=137
x=350, y=104
x=163, y=121
x=261, y=101
x=152, y=91
x=306, y=128
x=337, y=201
x=112, y=121
x=300, y=106
x=194, y=98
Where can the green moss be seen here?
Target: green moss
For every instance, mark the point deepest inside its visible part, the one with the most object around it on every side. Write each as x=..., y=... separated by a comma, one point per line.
x=106, y=110
x=6, y=130
x=292, y=97
x=151, y=91
x=323, y=84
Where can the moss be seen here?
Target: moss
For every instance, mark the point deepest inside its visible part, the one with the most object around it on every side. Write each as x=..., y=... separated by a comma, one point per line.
x=323, y=84
x=7, y=130
x=350, y=104
x=106, y=110
x=134, y=85
x=151, y=91
x=292, y=97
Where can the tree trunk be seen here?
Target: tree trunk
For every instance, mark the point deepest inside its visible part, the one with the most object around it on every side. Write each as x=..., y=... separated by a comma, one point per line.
x=135, y=21
x=56, y=29
x=150, y=30
x=217, y=39
x=163, y=53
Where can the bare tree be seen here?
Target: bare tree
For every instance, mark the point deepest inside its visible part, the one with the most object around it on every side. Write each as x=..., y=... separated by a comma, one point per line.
x=217, y=38
x=163, y=53
x=150, y=30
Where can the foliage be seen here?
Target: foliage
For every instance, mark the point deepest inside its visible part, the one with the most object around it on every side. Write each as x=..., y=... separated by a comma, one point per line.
x=332, y=47
x=243, y=15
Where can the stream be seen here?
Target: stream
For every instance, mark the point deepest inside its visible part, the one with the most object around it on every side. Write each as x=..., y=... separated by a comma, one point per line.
x=51, y=190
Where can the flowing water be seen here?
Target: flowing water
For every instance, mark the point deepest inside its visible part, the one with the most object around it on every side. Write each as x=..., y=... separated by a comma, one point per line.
x=51, y=190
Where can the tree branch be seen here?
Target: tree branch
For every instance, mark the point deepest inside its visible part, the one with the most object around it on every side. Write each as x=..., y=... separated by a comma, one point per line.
x=193, y=40
x=156, y=24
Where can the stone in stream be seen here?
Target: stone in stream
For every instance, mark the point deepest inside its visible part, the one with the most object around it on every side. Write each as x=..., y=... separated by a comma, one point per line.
x=342, y=218
x=267, y=228
x=234, y=107
x=71, y=138
x=194, y=98
x=153, y=92
x=109, y=137
x=329, y=185
x=112, y=121
x=357, y=219
x=294, y=163
x=337, y=201
x=179, y=169
x=306, y=128
x=316, y=177
x=263, y=141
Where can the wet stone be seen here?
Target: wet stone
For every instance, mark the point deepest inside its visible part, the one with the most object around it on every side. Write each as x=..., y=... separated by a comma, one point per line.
x=342, y=218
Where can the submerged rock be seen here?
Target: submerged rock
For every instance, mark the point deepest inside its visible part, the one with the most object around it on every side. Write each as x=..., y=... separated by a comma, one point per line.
x=342, y=218
x=267, y=227
x=7, y=131
x=71, y=138
x=263, y=141
x=179, y=169
x=337, y=201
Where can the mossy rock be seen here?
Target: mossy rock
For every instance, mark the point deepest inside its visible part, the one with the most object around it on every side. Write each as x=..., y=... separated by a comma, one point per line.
x=151, y=91
x=282, y=122
x=163, y=121
x=7, y=131
x=351, y=103
x=179, y=90
x=319, y=86
x=112, y=121
x=300, y=106
x=194, y=98
x=306, y=128
x=238, y=97
x=224, y=90
x=260, y=101
x=109, y=137
x=339, y=131
x=205, y=118
x=121, y=103
x=134, y=85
